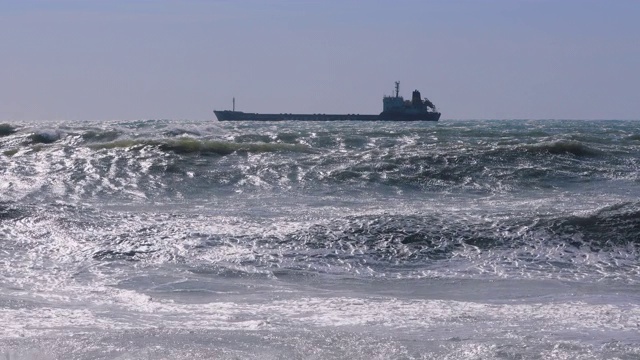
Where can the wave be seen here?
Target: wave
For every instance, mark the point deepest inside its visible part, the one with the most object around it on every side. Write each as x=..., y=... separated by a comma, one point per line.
x=601, y=243
x=608, y=227
x=195, y=146
x=7, y=129
x=45, y=136
x=9, y=212
x=11, y=152
x=101, y=135
x=562, y=147
x=187, y=146
x=416, y=239
x=437, y=236
x=156, y=159
x=488, y=170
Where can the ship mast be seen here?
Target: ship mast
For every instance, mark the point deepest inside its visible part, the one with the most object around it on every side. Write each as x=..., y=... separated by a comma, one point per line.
x=234, y=104
x=397, y=88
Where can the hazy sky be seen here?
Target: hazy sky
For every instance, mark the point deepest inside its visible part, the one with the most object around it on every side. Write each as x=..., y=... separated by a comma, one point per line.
x=180, y=59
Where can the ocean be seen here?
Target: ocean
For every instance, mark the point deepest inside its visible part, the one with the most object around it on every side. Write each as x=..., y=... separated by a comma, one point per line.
x=178, y=239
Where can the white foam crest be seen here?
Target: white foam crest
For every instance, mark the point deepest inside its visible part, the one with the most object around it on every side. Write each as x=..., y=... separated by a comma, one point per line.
x=125, y=309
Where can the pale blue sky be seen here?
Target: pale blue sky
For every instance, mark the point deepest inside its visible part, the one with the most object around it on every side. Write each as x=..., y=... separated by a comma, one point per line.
x=144, y=59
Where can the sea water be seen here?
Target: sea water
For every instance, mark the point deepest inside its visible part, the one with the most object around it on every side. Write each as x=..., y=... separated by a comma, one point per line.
x=166, y=239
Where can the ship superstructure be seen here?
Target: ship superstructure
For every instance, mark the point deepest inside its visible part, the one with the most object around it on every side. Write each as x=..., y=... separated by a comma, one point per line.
x=394, y=108
x=397, y=108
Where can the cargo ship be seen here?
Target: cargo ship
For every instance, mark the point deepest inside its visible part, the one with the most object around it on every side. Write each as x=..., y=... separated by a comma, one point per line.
x=394, y=108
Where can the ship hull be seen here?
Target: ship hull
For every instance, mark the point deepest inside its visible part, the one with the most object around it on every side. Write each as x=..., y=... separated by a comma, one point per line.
x=226, y=115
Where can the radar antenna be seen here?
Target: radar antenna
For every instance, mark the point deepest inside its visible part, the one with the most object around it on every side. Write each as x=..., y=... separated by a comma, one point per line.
x=397, y=88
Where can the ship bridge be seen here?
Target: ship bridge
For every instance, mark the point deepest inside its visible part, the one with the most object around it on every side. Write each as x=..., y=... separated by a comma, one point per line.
x=393, y=103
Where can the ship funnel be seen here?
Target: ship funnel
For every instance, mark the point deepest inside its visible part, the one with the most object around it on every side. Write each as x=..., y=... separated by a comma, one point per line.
x=416, y=99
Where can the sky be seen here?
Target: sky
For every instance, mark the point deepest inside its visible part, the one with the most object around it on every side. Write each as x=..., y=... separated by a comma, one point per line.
x=181, y=59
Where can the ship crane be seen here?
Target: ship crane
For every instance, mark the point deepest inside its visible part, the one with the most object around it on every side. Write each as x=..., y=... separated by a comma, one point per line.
x=429, y=104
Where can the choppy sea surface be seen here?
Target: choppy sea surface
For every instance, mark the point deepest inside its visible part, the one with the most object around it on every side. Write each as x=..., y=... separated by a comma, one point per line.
x=166, y=239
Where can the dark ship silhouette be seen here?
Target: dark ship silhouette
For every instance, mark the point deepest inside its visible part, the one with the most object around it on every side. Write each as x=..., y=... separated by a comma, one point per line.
x=394, y=108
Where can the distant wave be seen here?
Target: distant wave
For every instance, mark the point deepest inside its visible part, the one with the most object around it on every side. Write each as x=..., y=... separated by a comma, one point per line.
x=563, y=147
x=195, y=146
x=7, y=129
x=101, y=135
x=181, y=132
x=161, y=159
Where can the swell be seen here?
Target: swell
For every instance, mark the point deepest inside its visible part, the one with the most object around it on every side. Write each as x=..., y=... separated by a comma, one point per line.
x=603, y=243
x=611, y=226
x=187, y=165
x=437, y=236
x=561, y=147
x=486, y=168
x=187, y=146
x=151, y=157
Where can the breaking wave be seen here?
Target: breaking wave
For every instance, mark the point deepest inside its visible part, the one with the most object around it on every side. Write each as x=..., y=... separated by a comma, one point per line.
x=45, y=136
